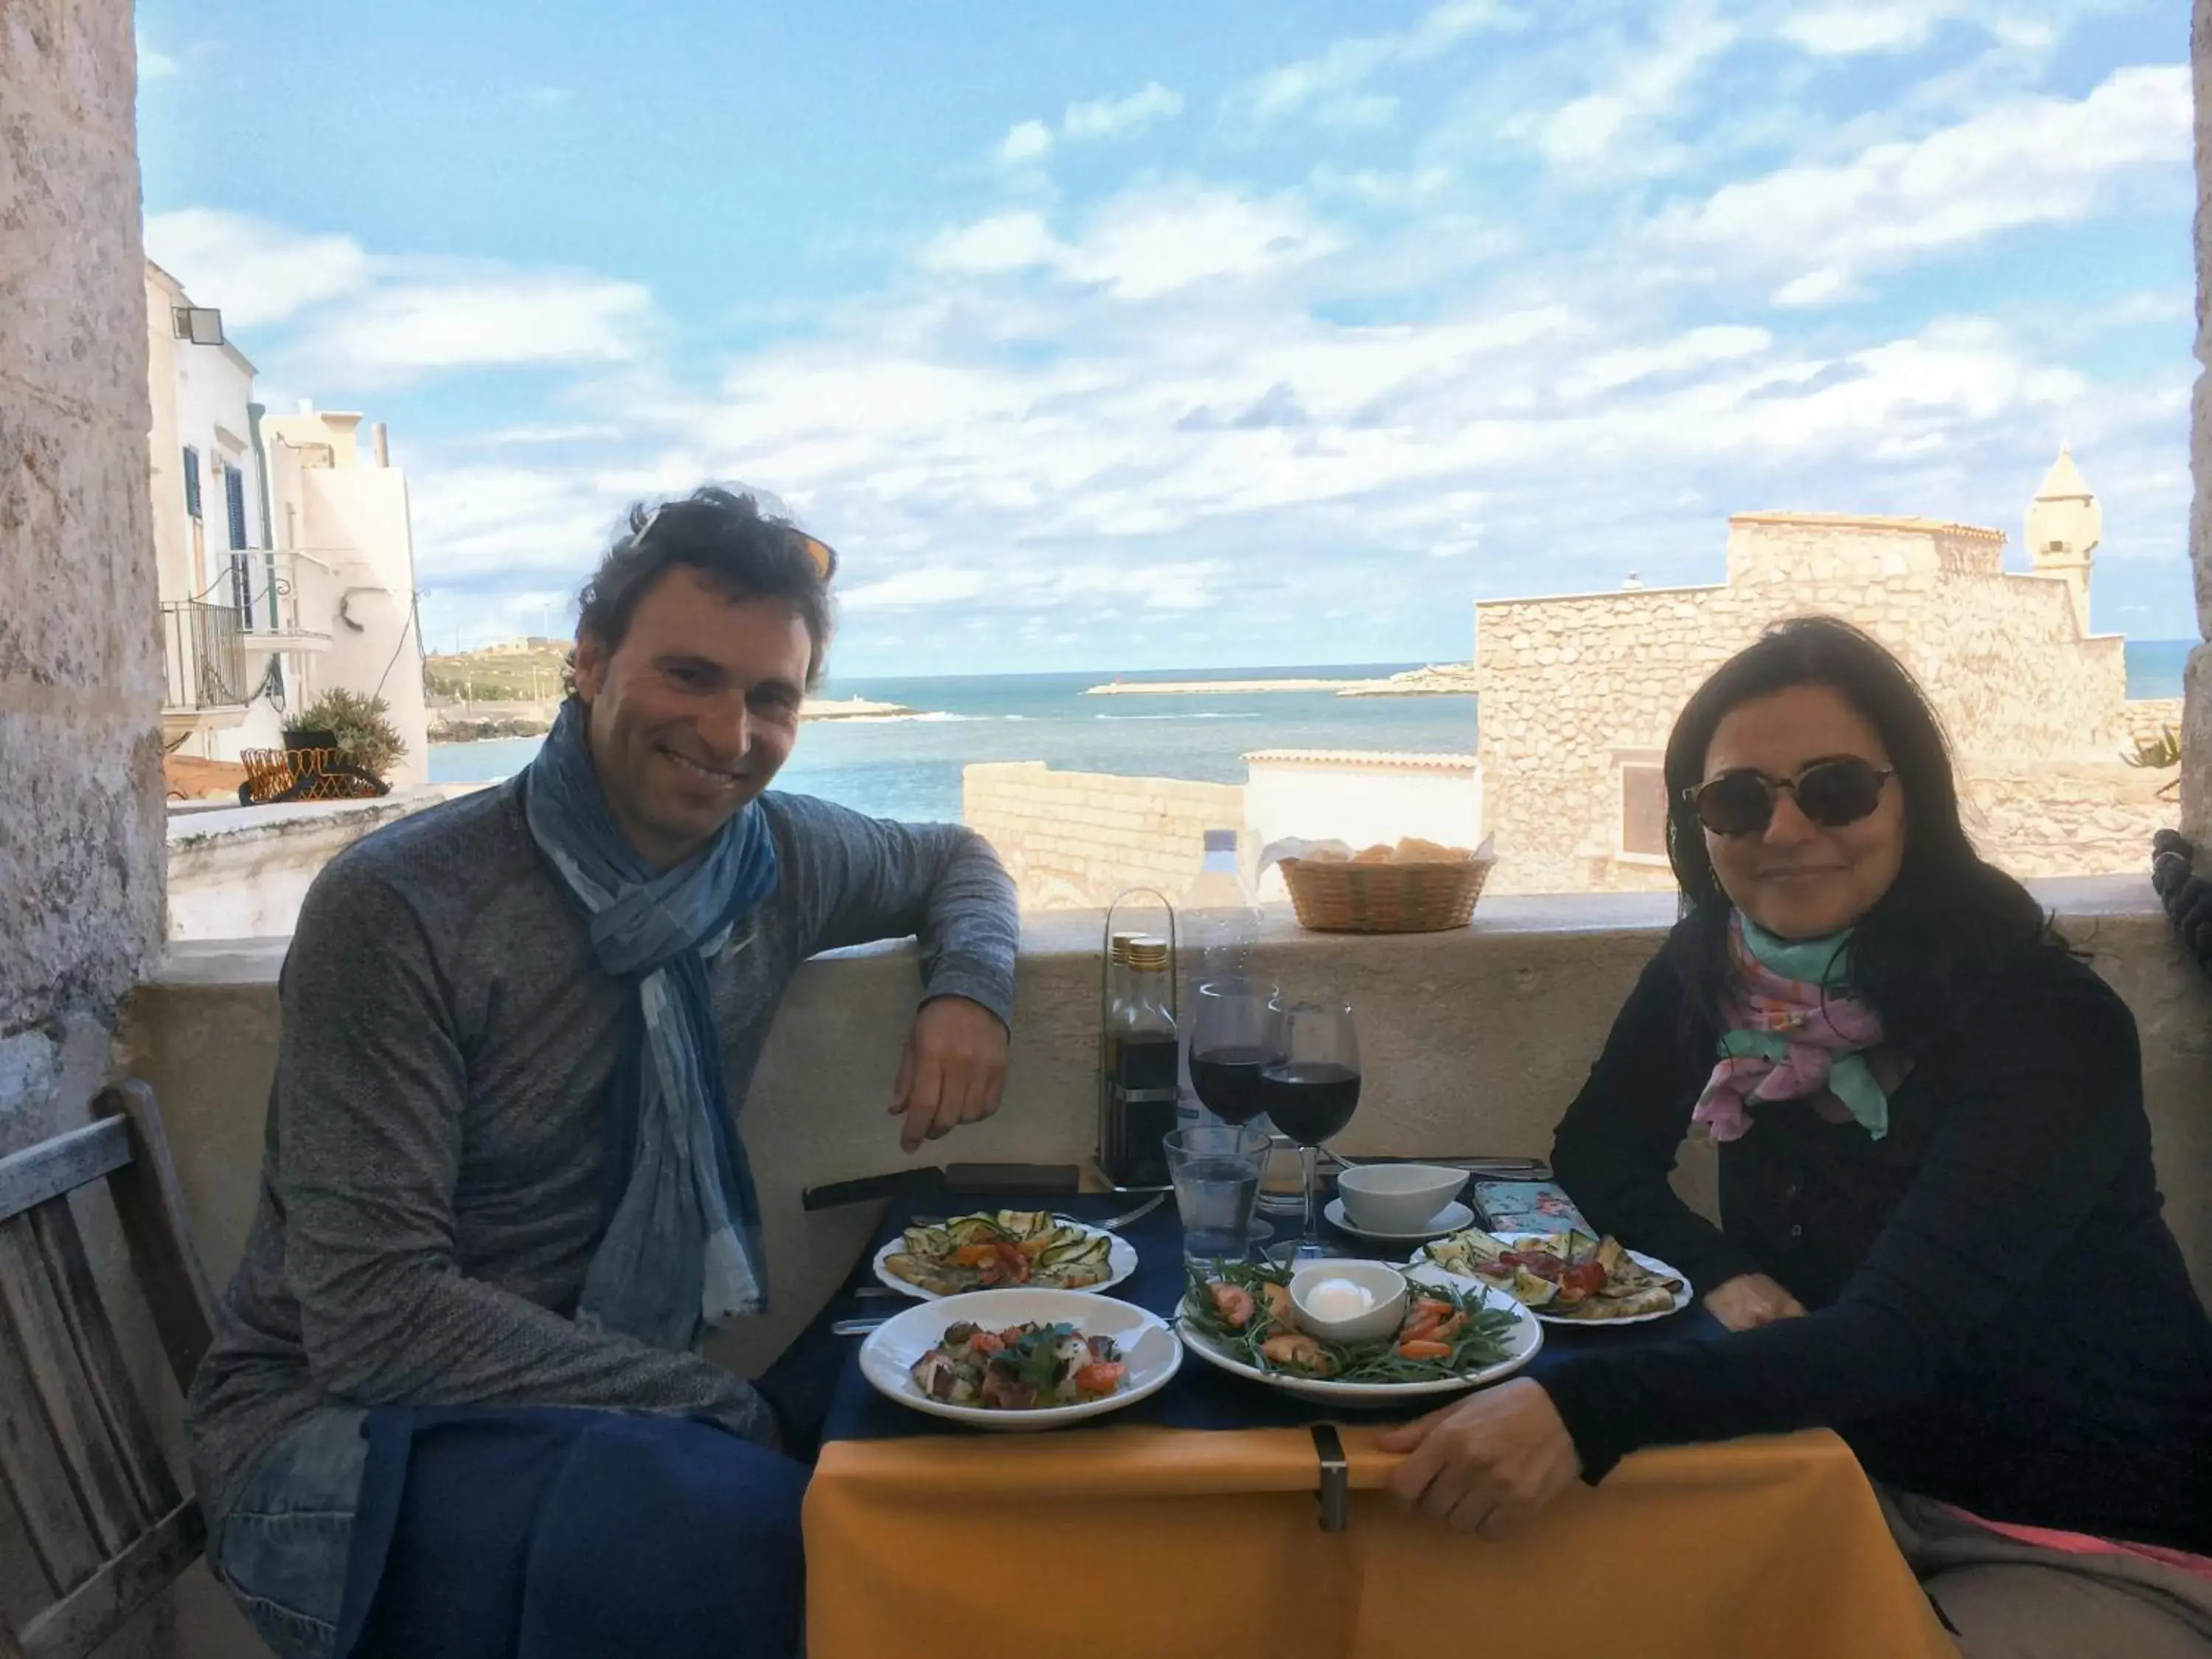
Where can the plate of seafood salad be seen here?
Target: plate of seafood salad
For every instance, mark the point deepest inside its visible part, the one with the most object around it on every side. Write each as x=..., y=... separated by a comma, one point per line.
x=1564, y=1279
x=1433, y=1335
x=992, y=1249
x=1020, y=1358
x=1021, y=1367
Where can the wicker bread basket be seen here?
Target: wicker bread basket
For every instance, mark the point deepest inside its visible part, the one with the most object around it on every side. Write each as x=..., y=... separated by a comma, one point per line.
x=1335, y=896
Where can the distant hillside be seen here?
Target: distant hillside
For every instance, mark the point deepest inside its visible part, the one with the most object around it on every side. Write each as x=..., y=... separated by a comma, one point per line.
x=496, y=676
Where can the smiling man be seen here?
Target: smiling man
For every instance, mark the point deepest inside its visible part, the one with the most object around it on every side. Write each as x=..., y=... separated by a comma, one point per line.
x=457, y=1404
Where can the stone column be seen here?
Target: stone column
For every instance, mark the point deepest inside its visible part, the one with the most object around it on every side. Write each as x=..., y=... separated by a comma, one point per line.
x=81, y=796
x=2197, y=707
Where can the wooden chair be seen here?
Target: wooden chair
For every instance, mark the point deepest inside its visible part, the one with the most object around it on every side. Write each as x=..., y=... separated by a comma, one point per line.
x=77, y=1451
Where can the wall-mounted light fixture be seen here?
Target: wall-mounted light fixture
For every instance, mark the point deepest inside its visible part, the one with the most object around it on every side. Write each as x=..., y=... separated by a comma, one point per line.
x=201, y=324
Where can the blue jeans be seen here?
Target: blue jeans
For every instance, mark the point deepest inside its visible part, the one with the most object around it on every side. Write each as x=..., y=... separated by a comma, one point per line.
x=555, y=1534
x=282, y=1552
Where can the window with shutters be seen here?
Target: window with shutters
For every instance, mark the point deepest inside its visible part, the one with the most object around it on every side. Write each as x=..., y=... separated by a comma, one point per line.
x=234, y=496
x=1642, y=835
x=192, y=482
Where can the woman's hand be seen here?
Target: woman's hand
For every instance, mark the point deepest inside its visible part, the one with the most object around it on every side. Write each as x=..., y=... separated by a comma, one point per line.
x=1487, y=1463
x=1751, y=1299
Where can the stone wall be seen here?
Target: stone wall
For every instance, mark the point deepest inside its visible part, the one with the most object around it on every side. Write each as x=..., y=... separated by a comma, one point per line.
x=1474, y=1041
x=2197, y=727
x=80, y=657
x=80, y=794
x=242, y=871
x=2149, y=717
x=1075, y=839
x=1574, y=687
x=2067, y=818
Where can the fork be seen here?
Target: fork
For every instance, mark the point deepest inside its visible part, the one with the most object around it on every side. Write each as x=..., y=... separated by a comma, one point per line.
x=1111, y=1224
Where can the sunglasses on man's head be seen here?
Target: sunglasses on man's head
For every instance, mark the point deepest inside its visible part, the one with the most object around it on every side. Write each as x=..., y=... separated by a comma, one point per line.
x=817, y=552
x=1830, y=792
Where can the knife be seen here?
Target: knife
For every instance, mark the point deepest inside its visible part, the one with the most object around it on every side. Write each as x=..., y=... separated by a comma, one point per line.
x=1042, y=1180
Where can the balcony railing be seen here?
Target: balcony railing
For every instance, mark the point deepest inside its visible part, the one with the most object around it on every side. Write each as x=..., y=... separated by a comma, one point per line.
x=282, y=599
x=204, y=654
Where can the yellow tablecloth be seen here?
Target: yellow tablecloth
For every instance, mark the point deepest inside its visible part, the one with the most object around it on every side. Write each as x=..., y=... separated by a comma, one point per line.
x=1141, y=1541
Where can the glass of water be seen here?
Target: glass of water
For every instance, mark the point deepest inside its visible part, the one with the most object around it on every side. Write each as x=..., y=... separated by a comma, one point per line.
x=1216, y=1168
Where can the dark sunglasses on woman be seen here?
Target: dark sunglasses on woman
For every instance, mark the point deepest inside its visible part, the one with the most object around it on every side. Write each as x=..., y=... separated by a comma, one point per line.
x=1830, y=792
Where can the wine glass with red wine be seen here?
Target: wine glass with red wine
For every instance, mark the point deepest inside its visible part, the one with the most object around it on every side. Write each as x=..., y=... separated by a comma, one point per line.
x=1235, y=1031
x=1310, y=1093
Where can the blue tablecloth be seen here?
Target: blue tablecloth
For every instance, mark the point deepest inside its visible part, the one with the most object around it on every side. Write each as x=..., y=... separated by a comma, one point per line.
x=818, y=1388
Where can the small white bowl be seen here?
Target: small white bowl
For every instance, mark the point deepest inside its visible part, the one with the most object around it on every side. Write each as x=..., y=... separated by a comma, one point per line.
x=1385, y=1283
x=1397, y=1198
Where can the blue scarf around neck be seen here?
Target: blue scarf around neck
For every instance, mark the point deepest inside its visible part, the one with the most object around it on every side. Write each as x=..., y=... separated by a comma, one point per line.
x=682, y=1249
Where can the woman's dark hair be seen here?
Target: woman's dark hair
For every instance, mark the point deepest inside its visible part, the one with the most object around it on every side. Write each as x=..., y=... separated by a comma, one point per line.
x=1932, y=944
x=727, y=540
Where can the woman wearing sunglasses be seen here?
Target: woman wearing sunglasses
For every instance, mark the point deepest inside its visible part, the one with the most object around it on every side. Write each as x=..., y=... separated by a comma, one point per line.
x=1940, y=1230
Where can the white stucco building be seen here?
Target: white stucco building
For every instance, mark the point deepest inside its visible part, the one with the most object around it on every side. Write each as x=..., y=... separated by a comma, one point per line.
x=285, y=561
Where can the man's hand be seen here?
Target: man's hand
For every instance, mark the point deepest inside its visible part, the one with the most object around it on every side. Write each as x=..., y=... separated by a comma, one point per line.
x=1487, y=1463
x=953, y=1068
x=1750, y=1299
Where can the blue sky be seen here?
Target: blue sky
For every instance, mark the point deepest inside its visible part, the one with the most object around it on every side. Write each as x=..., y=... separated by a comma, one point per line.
x=1184, y=335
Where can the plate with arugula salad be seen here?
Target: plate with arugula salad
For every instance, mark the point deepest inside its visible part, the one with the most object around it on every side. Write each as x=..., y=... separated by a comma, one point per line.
x=1239, y=1317
x=1020, y=1358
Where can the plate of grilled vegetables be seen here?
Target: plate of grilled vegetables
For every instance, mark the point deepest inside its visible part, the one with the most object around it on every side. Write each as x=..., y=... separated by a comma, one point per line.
x=1564, y=1279
x=1004, y=1249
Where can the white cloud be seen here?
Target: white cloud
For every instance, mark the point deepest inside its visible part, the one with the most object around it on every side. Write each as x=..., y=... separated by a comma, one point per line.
x=510, y=437
x=1328, y=84
x=154, y=65
x=1864, y=26
x=339, y=312
x=1851, y=28
x=255, y=272
x=1109, y=118
x=500, y=317
x=1005, y=241
x=2039, y=160
x=1643, y=89
x=915, y=589
x=1144, y=243
x=1024, y=142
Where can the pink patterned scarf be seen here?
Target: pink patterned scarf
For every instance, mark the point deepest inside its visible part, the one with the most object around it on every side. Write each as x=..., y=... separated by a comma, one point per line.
x=1794, y=1029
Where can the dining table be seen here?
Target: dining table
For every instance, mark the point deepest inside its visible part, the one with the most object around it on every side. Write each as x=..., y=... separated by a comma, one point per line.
x=1224, y=1518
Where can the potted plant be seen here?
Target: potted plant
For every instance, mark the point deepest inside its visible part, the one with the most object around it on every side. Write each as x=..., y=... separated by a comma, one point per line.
x=358, y=728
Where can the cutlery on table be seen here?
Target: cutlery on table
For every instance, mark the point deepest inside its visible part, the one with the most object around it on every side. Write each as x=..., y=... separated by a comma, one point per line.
x=982, y=1180
x=1111, y=1224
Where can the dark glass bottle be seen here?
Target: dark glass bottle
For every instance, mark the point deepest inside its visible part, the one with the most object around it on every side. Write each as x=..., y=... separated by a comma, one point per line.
x=1141, y=1097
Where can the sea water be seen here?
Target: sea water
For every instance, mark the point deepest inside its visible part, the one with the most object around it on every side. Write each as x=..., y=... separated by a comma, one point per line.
x=909, y=768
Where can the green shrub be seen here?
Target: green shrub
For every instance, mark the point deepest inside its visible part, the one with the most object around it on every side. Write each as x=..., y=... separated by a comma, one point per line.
x=367, y=739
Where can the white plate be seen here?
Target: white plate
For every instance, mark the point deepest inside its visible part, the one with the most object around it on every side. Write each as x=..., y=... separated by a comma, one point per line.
x=1120, y=1262
x=1683, y=1297
x=1149, y=1349
x=1455, y=1217
x=1526, y=1339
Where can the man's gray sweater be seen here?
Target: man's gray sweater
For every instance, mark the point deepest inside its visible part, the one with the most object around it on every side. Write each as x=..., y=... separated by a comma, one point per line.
x=430, y=1186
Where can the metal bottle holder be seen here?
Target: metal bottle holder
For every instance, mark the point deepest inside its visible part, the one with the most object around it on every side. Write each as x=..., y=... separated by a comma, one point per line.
x=1105, y=1008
